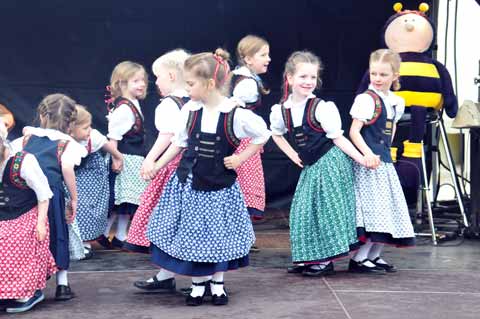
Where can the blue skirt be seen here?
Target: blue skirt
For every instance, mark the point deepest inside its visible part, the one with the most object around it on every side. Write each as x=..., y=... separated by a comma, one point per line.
x=198, y=233
x=58, y=228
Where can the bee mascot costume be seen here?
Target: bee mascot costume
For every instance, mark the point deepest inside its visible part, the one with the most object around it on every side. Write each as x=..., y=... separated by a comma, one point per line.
x=426, y=87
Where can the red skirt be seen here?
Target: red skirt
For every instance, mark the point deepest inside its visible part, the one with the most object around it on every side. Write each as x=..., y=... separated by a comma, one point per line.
x=25, y=262
x=148, y=201
x=251, y=180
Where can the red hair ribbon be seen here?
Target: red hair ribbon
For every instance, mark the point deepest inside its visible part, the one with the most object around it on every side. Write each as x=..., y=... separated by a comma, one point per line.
x=108, y=96
x=220, y=61
x=285, y=88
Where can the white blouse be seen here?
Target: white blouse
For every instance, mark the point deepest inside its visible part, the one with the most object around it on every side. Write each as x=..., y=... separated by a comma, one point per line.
x=246, y=90
x=97, y=140
x=33, y=176
x=245, y=122
x=326, y=114
x=167, y=113
x=73, y=153
x=121, y=120
x=364, y=106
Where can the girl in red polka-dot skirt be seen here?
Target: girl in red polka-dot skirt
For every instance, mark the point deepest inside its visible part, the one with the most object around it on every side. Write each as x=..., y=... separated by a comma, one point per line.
x=25, y=258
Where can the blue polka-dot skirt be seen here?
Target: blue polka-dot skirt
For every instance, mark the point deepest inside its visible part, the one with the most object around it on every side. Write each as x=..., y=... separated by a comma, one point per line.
x=93, y=196
x=198, y=233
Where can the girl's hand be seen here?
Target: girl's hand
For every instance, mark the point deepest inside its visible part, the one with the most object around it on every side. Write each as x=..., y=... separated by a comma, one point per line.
x=372, y=160
x=232, y=162
x=296, y=159
x=41, y=230
x=147, y=168
x=70, y=211
x=117, y=164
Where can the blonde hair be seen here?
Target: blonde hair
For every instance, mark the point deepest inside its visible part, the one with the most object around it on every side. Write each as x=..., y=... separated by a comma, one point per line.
x=83, y=116
x=123, y=72
x=57, y=111
x=209, y=66
x=293, y=61
x=173, y=60
x=390, y=57
x=248, y=46
x=7, y=116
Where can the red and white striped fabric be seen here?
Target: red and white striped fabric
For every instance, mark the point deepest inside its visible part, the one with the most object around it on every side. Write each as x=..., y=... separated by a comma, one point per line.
x=25, y=262
x=148, y=201
x=251, y=180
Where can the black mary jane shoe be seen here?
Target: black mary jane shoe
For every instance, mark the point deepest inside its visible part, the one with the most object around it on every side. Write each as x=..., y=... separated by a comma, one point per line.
x=314, y=272
x=117, y=243
x=88, y=253
x=64, y=293
x=360, y=268
x=386, y=267
x=219, y=300
x=208, y=291
x=296, y=269
x=104, y=242
x=167, y=285
x=195, y=301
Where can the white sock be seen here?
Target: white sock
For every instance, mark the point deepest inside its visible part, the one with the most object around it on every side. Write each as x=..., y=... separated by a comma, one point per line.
x=320, y=266
x=86, y=244
x=62, y=278
x=110, y=222
x=217, y=289
x=198, y=291
x=362, y=253
x=375, y=251
x=122, y=227
x=163, y=274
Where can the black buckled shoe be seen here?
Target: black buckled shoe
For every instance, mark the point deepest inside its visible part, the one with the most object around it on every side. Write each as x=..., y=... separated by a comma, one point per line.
x=219, y=300
x=196, y=301
x=296, y=269
x=167, y=285
x=208, y=291
x=104, y=242
x=64, y=293
x=386, y=267
x=117, y=243
x=310, y=271
x=359, y=267
x=17, y=307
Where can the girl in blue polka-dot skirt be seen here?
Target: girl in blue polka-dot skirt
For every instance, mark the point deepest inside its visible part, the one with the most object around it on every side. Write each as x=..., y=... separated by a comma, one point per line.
x=201, y=227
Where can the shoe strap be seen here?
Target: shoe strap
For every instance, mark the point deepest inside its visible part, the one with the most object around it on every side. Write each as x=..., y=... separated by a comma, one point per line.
x=217, y=282
x=199, y=284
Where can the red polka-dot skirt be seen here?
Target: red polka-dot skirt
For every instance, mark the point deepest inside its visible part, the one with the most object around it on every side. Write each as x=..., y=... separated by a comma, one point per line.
x=25, y=262
x=251, y=180
x=148, y=201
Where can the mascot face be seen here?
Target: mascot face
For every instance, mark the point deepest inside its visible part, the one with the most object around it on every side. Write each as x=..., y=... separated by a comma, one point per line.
x=409, y=32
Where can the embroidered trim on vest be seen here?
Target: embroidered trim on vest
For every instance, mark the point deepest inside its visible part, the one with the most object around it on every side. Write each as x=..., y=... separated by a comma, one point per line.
x=311, y=120
x=253, y=105
x=15, y=168
x=378, y=107
x=287, y=117
x=61, y=146
x=192, y=118
x=137, y=126
x=228, y=127
x=178, y=100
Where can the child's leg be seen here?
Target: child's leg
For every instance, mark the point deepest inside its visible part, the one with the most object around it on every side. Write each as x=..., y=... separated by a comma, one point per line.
x=110, y=222
x=198, y=290
x=375, y=251
x=163, y=274
x=217, y=284
x=122, y=226
x=62, y=277
x=363, y=252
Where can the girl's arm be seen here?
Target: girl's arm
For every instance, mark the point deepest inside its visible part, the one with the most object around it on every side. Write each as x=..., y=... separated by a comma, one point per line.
x=347, y=147
x=394, y=130
x=172, y=151
x=69, y=179
x=371, y=160
x=117, y=157
x=283, y=144
x=42, y=220
x=236, y=160
x=161, y=144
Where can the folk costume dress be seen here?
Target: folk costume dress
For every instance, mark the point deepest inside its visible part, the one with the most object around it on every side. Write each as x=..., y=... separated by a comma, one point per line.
x=246, y=89
x=25, y=262
x=322, y=214
x=201, y=224
x=382, y=212
x=167, y=114
x=52, y=148
x=126, y=125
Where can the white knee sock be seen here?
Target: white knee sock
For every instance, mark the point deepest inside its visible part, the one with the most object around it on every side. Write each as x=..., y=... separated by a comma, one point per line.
x=198, y=291
x=62, y=277
x=86, y=244
x=362, y=253
x=163, y=274
x=217, y=289
x=122, y=227
x=375, y=251
x=110, y=222
x=321, y=265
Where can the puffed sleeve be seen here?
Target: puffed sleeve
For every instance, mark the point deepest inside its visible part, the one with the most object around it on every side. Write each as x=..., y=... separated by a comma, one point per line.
x=363, y=107
x=180, y=136
x=329, y=117
x=246, y=90
x=34, y=177
x=247, y=124
x=97, y=139
x=400, y=108
x=73, y=153
x=167, y=114
x=277, y=125
x=120, y=121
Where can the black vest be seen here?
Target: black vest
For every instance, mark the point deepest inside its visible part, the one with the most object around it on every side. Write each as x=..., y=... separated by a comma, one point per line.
x=377, y=132
x=237, y=78
x=16, y=198
x=204, y=155
x=309, y=140
x=48, y=154
x=133, y=142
